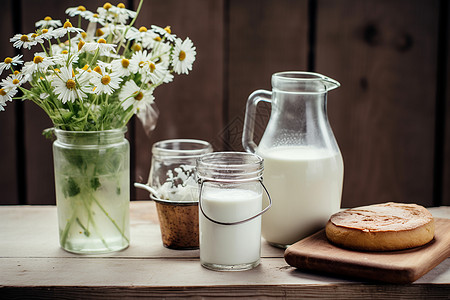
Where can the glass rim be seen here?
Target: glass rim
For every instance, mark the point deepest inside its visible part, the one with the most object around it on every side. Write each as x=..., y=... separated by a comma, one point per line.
x=258, y=159
x=158, y=149
x=215, y=167
x=298, y=77
x=116, y=130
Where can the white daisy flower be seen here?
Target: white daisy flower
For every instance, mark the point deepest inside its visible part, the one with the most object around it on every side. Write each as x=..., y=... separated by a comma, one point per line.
x=56, y=49
x=105, y=82
x=166, y=76
x=83, y=79
x=162, y=53
x=95, y=18
x=77, y=11
x=155, y=73
x=39, y=63
x=165, y=33
x=183, y=56
x=9, y=62
x=47, y=33
x=143, y=35
x=13, y=81
x=116, y=14
x=138, y=59
x=121, y=66
x=66, y=87
x=6, y=95
x=101, y=45
x=65, y=58
x=24, y=40
x=48, y=22
x=122, y=13
x=132, y=95
x=104, y=65
x=67, y=28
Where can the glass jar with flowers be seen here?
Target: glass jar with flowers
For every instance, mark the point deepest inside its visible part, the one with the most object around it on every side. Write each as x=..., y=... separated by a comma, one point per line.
x=90, y=83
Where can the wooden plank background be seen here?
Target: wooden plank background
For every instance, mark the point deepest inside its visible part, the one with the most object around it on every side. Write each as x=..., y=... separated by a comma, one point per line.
x=389, y=116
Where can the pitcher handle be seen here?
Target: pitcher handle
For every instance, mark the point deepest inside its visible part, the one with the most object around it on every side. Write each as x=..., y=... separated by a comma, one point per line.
x=249, y=121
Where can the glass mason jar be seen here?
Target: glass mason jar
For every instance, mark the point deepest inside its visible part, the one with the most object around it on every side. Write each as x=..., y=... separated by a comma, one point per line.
x=172, y=176
x=92, y=181
x=230, y=204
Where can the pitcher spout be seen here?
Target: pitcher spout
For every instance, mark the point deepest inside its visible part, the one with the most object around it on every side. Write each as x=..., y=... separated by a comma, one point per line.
x=329, y=83
x=303, y=82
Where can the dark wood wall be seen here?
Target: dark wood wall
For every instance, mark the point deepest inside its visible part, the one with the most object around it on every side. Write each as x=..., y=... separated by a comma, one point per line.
x=389, y=116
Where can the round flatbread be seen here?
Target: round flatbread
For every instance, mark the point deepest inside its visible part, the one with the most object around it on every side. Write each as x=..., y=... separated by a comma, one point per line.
x=381, y=227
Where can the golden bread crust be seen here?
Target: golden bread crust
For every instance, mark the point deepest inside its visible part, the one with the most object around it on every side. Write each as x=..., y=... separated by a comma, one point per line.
x=381, y=227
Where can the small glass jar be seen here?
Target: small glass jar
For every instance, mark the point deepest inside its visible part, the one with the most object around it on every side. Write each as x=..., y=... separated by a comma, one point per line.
x=230, y=204
x=92, y=181
x=173, y=178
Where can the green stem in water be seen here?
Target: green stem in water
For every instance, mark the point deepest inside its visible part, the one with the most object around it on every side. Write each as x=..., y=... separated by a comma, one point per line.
x=111, y=219
x=85, y=230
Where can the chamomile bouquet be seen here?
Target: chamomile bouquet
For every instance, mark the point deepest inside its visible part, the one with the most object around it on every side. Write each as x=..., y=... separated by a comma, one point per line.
x=90, y=83
x=98, y=78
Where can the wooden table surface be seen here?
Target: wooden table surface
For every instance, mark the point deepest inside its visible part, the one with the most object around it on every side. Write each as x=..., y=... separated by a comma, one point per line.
x=32, y=266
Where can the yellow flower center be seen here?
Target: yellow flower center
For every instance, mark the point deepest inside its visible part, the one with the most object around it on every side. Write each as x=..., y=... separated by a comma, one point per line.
x=141, y=64
x=158, y=39
x=99, y=32
x=70, y=84
x=139, y=96
x=106, y=80
x=16, y=81
x=136, y=47
x=168, y=30
x=47, y=18
x=38, y=59
x=182, y=55
x=67, y=24
x=2, y=92
x=98, y=70
x=152, y=67
x=85, y=67
x=8, y=60
x=107, y=5
x=16, y=72
x=80, y=45
x=34, y=35
x=84, y=35
x=81, y=8
x=64, y=52
x=57, y=70
x=142, y=29
x=44, y=30
x=125, y=63
x=95, y=15
x=101, y=41
x=24, y=38
x=121, y=5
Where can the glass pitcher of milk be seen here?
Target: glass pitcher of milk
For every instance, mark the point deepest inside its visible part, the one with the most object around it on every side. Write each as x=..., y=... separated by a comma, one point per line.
x=303, y=164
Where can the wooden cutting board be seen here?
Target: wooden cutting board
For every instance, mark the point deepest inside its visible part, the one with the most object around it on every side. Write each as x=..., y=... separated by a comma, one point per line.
x=315, y=253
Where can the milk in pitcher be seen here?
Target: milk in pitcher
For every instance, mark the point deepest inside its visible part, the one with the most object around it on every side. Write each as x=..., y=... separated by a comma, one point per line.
x=305, y=184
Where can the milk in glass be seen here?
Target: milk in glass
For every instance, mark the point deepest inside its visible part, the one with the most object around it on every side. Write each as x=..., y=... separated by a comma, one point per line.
x=231, y=245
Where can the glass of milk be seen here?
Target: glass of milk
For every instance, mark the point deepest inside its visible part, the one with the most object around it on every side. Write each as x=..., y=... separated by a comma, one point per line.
x=230, y=205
